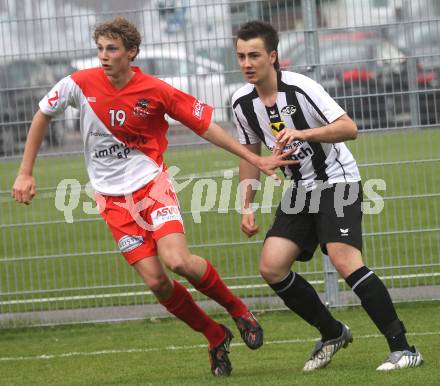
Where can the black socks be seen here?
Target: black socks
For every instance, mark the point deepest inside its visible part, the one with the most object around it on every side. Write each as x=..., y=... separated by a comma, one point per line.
x=302, y=298
x=377, y=303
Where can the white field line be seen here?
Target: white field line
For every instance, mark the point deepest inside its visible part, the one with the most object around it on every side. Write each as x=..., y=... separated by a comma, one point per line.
x=175, y=348
x=149, y=293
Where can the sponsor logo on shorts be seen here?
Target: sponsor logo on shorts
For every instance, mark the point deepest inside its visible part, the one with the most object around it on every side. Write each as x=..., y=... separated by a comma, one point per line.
x=197, y=109
x=165, y=214
x=344, y=232
x=128, y=243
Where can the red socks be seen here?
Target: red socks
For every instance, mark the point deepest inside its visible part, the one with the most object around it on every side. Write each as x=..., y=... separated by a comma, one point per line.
x=182, y=305
x=212, y=286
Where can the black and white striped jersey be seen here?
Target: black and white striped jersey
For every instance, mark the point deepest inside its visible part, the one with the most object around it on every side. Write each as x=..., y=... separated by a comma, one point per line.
x=301, y=104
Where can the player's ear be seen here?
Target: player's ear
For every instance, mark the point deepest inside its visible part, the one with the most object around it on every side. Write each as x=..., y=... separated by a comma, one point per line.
x=132, y=53
x=273, y=57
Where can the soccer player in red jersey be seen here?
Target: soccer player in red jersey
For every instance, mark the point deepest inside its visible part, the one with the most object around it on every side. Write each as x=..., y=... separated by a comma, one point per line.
x=124, y=132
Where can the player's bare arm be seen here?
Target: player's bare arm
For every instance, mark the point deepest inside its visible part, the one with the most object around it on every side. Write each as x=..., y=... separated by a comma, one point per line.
x=268, y=165
x=342, y=129
x=24, y=188
x=248, y=171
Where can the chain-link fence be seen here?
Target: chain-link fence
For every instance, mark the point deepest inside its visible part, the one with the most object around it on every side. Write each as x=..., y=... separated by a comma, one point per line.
x=379, y=59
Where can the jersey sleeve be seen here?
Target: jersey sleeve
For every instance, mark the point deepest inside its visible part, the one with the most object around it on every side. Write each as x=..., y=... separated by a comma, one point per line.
x=62, y=95
x=321, y=105
x=187, y=109
x=246, y=136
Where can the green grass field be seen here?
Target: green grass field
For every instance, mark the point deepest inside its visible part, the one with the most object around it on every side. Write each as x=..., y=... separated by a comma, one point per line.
x=166, y=352
x=42, y=256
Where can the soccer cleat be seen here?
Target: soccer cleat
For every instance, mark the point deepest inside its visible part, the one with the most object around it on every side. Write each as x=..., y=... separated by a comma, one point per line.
x=250, y=330
x=218, y=356
x=323, y=352
x=402, y=360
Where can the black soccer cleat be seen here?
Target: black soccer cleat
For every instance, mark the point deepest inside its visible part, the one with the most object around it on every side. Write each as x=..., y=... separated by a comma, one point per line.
x=218, y=356
x=250, y=330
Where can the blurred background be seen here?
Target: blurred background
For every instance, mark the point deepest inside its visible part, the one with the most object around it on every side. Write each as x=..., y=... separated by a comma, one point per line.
x=380, y=60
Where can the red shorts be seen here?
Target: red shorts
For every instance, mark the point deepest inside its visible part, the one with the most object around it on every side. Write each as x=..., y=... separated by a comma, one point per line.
x=137, y=220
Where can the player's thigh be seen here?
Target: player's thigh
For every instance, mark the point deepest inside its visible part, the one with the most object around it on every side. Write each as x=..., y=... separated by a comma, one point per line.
x=291, y=237
x=345, y=258
x=277, y=257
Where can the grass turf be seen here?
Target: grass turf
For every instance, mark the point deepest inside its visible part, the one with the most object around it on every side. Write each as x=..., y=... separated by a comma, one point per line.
x=166, y=352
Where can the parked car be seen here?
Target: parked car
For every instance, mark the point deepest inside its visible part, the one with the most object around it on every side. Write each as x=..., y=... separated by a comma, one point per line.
x=23, y=83
x=197, y=76
x=361, y=70
x=420, y=40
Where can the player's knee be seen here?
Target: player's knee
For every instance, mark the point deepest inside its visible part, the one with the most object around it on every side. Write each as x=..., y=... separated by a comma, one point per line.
x=160, y=285
x=178, y=264
x=268, y=273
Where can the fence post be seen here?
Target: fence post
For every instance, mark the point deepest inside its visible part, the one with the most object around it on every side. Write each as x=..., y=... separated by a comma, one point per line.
x=411, y=65
x=309, y=13
x=330, y=282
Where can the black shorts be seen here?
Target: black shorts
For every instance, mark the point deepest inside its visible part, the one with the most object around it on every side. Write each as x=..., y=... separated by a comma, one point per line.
x=334, y=215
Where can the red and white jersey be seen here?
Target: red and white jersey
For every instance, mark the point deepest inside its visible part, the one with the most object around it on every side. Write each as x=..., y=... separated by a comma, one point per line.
x=124, y=131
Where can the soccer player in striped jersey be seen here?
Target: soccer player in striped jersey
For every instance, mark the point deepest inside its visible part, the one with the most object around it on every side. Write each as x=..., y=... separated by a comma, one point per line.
x=287, y=111
x=123, y=126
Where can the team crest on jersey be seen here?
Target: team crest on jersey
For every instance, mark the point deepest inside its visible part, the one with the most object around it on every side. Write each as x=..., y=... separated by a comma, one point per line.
x=288, y=110
x=141, y=108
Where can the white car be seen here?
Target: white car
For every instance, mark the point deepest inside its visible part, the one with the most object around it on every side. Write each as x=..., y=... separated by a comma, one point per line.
x=197, y=76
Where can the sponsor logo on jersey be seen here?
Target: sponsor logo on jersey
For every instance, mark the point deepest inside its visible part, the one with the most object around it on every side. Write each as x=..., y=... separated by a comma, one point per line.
x=303, y=151
x=273, y=114
x=99, y=134
x=53, y=100
x=165, y=214
x=141, y=108
x=120, y=150
x=288, y=110
x=276, y=127
x=197, y=109
x=128, y=243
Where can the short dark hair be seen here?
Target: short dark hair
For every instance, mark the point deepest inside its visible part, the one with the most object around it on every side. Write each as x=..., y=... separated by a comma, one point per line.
x=120, y=27
x=259, y=29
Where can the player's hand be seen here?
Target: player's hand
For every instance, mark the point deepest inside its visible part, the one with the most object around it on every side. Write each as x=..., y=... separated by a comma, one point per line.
x=269, y=164
x=248, y=225
x=287, y=136
x=24, y=189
